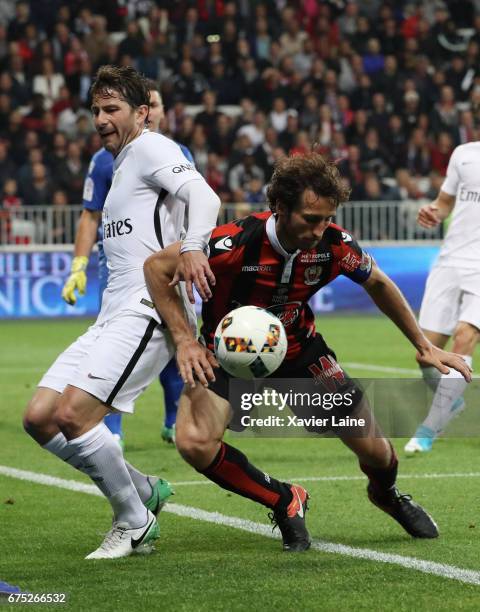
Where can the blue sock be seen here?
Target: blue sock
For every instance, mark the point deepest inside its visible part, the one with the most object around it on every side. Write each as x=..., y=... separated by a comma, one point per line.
x=172, y=384
x=114, y=423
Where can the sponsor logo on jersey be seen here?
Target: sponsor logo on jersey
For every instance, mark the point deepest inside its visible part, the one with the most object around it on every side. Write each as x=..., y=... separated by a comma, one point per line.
x=281, y=296
x=182, y=168
x=350, y=262
x=327, y=372
x=467, y=195
x=314, y=257
x=113, y=229
x=224, y=244
x=312, y=275
x=260, y=268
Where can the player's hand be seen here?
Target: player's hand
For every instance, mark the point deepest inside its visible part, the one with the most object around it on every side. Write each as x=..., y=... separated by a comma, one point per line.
x=442, y=360
x=194, y=269
x=76, y=281
x=195, y=360
x=428, y=216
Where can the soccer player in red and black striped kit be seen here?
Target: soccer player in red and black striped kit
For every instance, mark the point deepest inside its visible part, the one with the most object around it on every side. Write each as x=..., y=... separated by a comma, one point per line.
x=278, y=260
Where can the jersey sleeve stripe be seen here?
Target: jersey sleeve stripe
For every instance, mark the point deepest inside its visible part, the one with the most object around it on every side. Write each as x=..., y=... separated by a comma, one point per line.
x=156, y=217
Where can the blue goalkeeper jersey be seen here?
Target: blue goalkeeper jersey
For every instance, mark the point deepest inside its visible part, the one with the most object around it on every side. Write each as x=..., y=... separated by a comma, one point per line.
x=95, y=190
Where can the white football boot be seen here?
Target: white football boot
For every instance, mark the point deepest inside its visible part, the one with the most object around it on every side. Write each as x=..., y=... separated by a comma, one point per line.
x=122, y=541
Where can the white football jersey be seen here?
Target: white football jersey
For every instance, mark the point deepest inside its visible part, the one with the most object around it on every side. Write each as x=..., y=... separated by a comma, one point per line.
x=461, y=246
x=141, y=216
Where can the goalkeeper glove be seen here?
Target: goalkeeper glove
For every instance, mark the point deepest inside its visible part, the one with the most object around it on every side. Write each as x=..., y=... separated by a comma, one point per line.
x=76, y=280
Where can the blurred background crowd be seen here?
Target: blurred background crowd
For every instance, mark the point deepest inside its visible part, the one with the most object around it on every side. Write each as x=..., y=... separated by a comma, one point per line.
x=385, y=88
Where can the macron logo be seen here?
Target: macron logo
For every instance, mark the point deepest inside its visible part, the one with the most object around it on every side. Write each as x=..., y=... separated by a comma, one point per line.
x=224, y=244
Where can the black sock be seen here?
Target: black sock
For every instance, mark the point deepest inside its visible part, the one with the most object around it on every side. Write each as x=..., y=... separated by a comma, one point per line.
x=232, y=471
x=382, y=479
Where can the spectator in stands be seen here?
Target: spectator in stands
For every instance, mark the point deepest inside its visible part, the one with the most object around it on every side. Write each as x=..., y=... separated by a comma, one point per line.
x=188, y=84
x=199, y=149
x=440, y=153
x=240, y=176
x=286, y=138
x=25, y=173
x=373, y=60
x=255, y=129
x=10, y=197
x=71, y=172
x=40, y=191
x=133, y=42
x=48, y=83
x=58, y=153
x=445, y=113
x=255, y=192
x=208, y=117
x=96, y=41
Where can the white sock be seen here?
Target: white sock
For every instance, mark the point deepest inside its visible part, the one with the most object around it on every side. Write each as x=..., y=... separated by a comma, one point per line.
x=141, y=482
x=60, y=447
x=103, y=461
x=450, y=388
x=431, y=376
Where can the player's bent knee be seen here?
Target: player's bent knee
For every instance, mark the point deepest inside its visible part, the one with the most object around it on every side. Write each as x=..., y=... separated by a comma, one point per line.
x=196, y=448
x=39, y=415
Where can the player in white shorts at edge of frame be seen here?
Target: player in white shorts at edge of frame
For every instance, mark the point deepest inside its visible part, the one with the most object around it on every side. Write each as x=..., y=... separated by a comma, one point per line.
x=451, y=304
x=110, y=365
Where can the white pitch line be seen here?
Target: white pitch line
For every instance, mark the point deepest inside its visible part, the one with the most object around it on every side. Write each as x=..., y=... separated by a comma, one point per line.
x=378, y=368
x=428, y=567
x=183, y=483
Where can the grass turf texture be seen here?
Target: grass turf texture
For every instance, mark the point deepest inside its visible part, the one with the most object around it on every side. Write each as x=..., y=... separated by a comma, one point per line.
x=45, y=532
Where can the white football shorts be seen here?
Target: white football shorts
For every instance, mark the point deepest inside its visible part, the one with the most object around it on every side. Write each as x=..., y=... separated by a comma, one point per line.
x=114, y=361
x=451, y=295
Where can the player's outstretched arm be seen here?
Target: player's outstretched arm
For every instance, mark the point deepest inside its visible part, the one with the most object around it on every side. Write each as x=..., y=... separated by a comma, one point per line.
x=390, y=300
x=203, y=205
x=430, y=215
x=193, y=359
x=84, y=241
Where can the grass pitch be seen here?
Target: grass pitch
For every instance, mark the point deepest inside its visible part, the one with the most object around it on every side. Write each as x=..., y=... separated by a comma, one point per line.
x=46, y=531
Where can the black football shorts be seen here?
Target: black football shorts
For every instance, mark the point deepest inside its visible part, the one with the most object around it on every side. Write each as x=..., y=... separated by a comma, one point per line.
x=322, y=375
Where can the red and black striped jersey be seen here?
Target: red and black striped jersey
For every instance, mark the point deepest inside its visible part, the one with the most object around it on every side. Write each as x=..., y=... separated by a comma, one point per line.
x=252, y=268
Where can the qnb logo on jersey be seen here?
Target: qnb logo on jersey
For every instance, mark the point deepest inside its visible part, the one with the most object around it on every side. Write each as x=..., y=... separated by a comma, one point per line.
x=182, y=168
x=468, y=195
x=113, y=229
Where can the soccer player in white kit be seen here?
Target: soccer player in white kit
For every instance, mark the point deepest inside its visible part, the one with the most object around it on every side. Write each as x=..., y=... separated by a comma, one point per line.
x=451, y=304
x=116, y=359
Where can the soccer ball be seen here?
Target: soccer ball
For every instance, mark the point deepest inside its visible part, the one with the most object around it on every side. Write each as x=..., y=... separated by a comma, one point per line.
x=250, y=342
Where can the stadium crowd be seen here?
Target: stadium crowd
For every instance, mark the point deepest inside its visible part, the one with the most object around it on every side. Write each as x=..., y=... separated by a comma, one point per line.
x=387, y=89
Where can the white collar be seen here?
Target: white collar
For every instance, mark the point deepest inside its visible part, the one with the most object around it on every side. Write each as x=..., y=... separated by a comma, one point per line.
x=121, y=156
x=271, y=230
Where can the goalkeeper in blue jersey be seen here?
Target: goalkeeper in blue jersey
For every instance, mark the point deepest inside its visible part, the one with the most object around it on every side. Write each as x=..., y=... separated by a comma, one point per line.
x=96, y=187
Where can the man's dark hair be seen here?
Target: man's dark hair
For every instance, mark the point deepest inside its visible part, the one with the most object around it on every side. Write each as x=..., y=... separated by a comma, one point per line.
x=152, y=85
x=124, y=80
x=293, y=174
